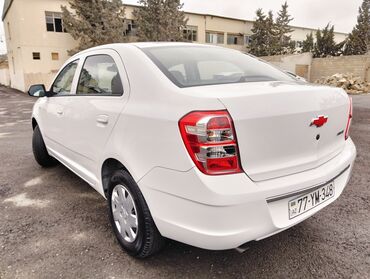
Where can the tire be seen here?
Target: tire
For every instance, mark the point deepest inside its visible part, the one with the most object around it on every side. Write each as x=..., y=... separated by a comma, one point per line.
x=145, y=240
x=40, y=152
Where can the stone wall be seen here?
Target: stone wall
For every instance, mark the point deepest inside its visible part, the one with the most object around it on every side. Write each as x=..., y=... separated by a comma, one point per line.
x=292, y=63
x=358, y=65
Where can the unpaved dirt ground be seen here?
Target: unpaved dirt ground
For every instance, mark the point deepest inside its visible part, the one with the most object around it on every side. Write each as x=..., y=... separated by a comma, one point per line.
x=54, y=225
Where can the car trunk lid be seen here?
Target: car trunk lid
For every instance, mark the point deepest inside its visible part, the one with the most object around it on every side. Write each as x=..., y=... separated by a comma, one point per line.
x=273, y=125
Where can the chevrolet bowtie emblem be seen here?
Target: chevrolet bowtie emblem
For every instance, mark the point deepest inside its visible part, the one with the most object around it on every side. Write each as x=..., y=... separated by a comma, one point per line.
x=319, y=121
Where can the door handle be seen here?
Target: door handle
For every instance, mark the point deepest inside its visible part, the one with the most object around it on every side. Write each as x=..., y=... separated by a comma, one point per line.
x=59, y=112
x=102, y=119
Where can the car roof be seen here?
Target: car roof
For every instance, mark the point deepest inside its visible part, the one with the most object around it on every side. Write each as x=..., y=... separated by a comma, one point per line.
x=119, y=47
x=167, y=44
x=142, y=45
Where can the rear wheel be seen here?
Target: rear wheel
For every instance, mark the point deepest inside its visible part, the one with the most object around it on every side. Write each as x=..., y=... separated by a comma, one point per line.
x=130, y=217
x=40, y=152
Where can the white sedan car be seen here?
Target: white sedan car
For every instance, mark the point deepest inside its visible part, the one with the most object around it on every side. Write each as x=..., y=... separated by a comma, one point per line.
x=197, y=143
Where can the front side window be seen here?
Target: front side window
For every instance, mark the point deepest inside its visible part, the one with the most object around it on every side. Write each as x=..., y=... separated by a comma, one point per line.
x=195, y=66
x=63, y=83
x=100, y=76
x=54, y=22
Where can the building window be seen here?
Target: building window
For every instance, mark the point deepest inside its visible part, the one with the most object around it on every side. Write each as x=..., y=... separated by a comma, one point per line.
x=248, y=40
x=54, y=56
x=36, y=56
x=191, y=33
x=131, y=27
x=235, y=39
x=54, y=22
x=214, y=38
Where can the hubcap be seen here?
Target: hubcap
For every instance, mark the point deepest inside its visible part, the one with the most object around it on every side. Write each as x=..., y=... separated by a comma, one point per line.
x=124, y=213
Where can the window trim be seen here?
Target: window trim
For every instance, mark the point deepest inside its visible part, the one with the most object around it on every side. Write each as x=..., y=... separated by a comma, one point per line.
x=103, y=95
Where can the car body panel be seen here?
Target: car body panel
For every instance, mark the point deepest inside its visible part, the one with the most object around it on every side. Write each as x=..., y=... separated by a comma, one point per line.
x=213, y=212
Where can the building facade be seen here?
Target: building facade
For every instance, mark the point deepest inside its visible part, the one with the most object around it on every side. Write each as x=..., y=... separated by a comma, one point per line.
x=37, y=43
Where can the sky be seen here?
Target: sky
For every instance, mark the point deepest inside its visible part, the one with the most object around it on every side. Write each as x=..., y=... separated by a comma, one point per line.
x=306, y=13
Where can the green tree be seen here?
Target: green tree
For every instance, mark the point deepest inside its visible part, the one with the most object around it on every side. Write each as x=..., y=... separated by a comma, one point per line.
x=308, y=43
x=358, y=41
x=272, y=38
x=283, y=31
x=160, y=20
x=325, y=44
x=94, y=22
x=263, y=39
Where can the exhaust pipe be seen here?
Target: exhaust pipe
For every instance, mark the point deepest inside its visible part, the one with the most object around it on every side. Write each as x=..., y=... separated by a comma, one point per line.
x=242, y=248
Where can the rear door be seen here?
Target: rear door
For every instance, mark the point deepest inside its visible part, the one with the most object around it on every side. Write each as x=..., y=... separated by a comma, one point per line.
x=101, y=94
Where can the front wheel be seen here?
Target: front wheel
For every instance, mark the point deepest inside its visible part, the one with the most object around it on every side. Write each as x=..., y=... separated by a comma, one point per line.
x=130, y=217
x=40, y=152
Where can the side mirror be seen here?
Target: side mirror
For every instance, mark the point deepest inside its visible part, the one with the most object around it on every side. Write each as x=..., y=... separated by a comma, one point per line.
x=37, y=90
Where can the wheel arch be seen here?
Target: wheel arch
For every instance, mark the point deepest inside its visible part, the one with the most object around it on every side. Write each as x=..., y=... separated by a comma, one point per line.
x=109, y=166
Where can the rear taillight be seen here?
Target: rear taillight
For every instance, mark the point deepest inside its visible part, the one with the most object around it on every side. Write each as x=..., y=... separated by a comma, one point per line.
x=209, y=137
x=346, y=134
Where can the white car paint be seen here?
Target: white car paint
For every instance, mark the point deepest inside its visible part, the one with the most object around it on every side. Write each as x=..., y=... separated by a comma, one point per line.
x=278, y=150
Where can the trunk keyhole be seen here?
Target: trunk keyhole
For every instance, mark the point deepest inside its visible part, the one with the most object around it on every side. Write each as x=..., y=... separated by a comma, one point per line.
x=317, y=136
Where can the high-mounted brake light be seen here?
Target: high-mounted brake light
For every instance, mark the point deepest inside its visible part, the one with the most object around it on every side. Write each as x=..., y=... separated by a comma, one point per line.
x=209, y=137
x=349, y=120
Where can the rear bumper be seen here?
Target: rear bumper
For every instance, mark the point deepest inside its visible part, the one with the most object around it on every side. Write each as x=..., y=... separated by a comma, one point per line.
x=224, y=212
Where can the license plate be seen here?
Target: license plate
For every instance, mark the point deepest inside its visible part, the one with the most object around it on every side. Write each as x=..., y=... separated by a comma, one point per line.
x=310, y=200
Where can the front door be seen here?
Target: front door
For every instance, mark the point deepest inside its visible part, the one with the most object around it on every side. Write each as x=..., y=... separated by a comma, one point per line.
x=52, y=109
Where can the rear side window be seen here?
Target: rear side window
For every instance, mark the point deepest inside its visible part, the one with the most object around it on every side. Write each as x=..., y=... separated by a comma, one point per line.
x=194, y=66
x=63, y=83
x=99, y=76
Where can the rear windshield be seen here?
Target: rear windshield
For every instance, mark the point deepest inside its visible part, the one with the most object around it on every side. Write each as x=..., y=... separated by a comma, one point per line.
x=195, y=66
